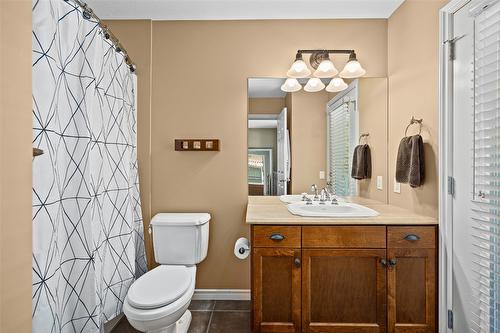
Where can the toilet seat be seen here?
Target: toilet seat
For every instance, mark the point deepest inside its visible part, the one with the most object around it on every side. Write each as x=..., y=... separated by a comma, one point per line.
x=148, y=312
x=159, y=287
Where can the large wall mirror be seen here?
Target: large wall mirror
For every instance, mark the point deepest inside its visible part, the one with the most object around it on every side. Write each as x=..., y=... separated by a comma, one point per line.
x=300, y=139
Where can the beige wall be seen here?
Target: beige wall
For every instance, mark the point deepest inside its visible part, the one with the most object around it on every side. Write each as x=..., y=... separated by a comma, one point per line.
x=15, y=165
x=265, y=105
x=221, y=56
x=308, y=140
x=372, y=106
x=413, y=91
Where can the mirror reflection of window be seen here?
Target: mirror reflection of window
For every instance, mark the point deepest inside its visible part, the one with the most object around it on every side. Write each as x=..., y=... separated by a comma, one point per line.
x=342, y=133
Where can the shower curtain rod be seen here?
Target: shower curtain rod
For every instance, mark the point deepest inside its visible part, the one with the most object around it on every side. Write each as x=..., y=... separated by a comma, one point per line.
x=88, y=14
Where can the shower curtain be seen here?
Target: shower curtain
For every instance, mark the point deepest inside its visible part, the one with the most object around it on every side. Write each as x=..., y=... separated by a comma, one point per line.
x=88, y=244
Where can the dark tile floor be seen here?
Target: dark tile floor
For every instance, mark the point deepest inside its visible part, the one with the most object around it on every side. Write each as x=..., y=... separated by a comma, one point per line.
x=210, y=317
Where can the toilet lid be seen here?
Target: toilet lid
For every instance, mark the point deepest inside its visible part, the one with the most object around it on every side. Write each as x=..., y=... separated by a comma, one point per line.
x=159, y=287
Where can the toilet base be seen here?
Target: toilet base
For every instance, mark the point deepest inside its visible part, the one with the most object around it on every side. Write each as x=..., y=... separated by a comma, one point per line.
x=180, y=326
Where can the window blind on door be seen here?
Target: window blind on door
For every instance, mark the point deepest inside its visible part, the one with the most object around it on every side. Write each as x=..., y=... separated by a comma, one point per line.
x=485, y=214
x=339, y=148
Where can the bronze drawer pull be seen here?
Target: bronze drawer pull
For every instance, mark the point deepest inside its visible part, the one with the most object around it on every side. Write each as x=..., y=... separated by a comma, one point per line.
x=277, y=237
x=412, y=237
x=297, y=262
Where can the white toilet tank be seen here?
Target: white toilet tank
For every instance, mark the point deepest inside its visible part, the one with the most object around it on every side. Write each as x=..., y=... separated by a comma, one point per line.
x=180, y=238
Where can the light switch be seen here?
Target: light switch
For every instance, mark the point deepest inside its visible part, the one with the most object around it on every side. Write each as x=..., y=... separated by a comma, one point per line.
x=397, y=187
x=380, y=184
x=321, y=175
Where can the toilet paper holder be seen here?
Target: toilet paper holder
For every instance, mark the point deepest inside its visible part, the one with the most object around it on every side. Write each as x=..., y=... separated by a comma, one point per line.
x=242, y=248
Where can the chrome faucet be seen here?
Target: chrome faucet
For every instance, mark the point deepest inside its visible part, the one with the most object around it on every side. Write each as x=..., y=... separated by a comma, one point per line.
x=314, y=190
x=328, y=193
x=323, y=197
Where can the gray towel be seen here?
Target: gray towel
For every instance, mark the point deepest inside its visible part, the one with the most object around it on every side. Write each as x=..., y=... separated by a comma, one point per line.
x=361, y=162
x=410, y=162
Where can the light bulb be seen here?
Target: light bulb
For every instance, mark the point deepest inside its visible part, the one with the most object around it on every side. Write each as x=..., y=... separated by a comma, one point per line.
x=314, y=84
x=352, y=70
x=336, y=85
x=326, y=69
x=299, y=68
x=291, y=85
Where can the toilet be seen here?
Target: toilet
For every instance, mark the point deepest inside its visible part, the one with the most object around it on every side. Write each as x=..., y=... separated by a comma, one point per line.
x=158, y=301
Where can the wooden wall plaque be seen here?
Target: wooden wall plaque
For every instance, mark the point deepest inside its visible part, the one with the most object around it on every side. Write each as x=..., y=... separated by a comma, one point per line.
x=197, y=145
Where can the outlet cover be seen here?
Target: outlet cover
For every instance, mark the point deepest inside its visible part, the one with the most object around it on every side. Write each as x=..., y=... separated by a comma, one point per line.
x=397, y=187
x=380, y=185
x=321, y=175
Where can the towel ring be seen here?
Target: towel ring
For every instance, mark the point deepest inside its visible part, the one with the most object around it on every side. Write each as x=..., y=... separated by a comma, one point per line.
x=363, y=135
x=414, y=121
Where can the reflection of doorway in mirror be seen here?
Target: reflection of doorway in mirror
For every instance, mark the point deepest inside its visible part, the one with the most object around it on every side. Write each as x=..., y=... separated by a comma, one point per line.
x=267, y=131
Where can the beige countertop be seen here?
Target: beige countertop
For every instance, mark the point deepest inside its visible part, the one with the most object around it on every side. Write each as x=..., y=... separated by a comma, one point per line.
x=270, y=210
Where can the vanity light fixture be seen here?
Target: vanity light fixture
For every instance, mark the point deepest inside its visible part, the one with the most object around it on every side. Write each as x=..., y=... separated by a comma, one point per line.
x=324, y=69
x=336, y=84
x=291, y=85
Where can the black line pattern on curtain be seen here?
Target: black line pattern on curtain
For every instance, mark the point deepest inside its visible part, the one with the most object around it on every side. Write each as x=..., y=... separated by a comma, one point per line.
x=88, y=242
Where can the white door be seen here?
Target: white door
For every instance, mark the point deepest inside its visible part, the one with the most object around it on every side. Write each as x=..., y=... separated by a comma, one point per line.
x=462, y=169
x=283, y=154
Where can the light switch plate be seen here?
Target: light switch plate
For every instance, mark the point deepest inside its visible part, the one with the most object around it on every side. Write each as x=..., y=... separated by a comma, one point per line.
x=397, y=187
x=321, y=175
x=380, y=185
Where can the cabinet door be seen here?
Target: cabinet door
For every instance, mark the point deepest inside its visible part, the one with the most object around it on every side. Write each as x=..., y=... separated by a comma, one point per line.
x=412, y=290
x=344, y=291
x=276, y=289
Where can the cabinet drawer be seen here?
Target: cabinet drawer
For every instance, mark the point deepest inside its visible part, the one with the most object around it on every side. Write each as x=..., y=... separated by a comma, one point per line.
x=368, y=237
x=411, y=237
x=276, y=236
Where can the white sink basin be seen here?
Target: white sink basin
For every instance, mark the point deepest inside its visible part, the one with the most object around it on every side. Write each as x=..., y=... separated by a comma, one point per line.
x=343, y=209
x=292, y=198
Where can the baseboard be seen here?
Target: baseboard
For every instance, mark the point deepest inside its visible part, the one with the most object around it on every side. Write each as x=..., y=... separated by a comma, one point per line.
x=222, y=294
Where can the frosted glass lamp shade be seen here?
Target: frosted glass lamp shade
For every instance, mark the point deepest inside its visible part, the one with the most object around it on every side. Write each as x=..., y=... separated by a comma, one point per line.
x=291, y=85
x=314, y=85
x=352, y=70
x=298, y=69
x=326, y=69
x=336, y=85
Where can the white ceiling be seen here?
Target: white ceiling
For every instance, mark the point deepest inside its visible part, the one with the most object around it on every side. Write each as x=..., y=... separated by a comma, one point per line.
x=242, y=9
x=265, y=87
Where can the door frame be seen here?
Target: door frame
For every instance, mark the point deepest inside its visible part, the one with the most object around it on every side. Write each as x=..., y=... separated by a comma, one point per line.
x=445, y=271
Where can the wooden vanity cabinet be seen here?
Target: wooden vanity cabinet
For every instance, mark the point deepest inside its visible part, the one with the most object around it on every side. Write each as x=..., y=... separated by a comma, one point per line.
x=344, y=279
